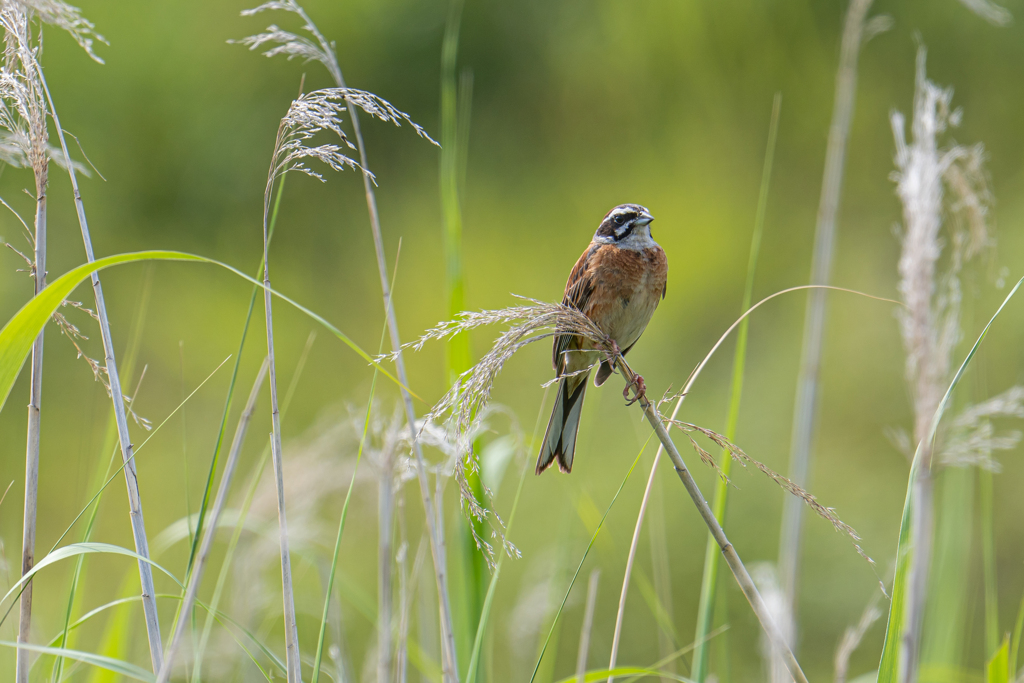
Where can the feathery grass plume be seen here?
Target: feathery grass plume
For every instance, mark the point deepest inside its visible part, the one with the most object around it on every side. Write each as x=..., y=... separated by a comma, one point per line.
x=319, y=49
x=308, y=115
x=471, y=393
x=67, y=18
x=971, y=437
x=930, y=323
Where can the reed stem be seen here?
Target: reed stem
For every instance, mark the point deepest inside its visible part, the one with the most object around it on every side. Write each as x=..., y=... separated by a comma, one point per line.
x=28, y=537
x=117, y=397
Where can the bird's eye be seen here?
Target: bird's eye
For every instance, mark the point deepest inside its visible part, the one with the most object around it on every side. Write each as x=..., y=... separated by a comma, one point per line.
x=620, y=219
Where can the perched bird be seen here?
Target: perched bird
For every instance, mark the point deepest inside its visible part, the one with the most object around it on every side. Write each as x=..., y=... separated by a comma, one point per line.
x=617, y=283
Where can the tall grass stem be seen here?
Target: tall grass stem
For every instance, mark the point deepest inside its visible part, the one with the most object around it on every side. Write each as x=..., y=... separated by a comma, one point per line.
x=808, y=383
x=291, y=631
x=28, y=537
x=131, y=478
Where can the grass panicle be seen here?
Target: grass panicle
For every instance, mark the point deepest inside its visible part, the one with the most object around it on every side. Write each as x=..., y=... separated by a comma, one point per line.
x=317, y=48
x=930, y=319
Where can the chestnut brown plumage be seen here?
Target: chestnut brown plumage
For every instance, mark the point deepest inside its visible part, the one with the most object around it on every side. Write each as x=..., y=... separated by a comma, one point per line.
x=618, y=282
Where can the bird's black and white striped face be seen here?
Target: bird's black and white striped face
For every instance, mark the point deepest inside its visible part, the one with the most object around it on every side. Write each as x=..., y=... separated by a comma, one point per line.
x=627, y=226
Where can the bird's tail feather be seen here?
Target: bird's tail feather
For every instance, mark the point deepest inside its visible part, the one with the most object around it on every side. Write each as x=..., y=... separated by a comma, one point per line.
x=560, y=439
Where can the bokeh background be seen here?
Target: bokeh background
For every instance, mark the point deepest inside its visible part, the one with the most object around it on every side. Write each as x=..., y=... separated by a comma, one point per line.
x=577, y=107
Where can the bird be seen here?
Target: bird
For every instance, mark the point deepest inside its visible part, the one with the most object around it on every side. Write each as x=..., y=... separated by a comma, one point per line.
x=618, y=282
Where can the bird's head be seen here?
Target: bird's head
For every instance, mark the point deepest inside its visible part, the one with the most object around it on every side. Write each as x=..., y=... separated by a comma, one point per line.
x=627, y=226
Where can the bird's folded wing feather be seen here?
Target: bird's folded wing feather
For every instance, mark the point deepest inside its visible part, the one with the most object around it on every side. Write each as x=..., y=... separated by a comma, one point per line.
x=578, y=290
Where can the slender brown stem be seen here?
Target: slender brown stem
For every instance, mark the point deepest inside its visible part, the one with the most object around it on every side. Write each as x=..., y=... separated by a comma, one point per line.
x=185, y=614
x=739, y=571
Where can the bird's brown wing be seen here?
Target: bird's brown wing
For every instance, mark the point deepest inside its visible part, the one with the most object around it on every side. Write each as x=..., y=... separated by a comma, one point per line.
x=578, y=290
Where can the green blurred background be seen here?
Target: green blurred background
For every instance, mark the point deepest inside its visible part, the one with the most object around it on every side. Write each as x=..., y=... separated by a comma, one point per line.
x=577, y=107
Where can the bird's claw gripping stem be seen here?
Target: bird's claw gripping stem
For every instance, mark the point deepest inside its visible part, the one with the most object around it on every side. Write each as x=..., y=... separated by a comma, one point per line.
x=640, y=390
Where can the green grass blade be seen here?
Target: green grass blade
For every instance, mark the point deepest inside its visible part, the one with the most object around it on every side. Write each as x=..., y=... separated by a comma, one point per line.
x=74, y=550
x=593, y=538
x=19, y=333
x=998, y=668
x=712, y=553
x=623, y=671
x=1015, y=641
x=888, y=668
x=116, y=665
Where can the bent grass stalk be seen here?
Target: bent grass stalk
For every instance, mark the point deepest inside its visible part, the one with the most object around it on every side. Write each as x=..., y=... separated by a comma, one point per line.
x=528, y=323
x=709, y=582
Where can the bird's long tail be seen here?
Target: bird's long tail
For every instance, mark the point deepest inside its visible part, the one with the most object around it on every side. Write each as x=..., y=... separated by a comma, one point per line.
x=560, y=439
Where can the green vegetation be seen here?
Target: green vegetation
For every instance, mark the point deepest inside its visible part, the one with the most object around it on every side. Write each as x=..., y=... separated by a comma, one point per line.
x=420, y=545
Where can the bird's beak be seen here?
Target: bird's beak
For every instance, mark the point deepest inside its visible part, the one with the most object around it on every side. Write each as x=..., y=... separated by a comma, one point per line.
x=644, y=219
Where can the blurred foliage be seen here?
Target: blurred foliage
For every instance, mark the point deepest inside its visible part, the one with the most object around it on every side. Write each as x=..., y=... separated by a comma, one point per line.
x=576, y=107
